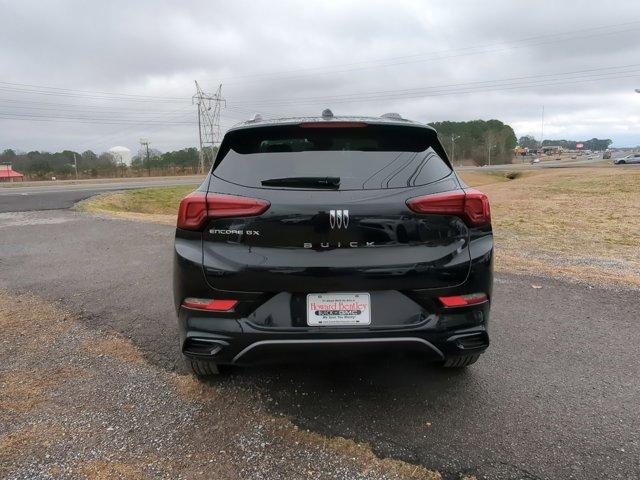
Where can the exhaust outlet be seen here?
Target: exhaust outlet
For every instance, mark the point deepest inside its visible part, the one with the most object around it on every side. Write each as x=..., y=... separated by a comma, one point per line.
x=203, y=347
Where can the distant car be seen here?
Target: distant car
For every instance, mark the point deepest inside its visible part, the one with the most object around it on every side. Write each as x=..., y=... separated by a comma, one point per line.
x=633, y=158
x=535, y=161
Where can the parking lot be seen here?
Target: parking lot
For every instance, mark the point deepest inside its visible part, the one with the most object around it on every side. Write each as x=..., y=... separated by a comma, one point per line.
x=556, y=395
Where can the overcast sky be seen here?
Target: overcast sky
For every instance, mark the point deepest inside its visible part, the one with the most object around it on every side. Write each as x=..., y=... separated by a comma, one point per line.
x=428, y=60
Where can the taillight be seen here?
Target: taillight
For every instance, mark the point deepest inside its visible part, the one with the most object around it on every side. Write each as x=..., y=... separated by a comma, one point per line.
x=463, y=300
x=193, y=211
x=209, y=304
x=197, y=207
x=470, y=205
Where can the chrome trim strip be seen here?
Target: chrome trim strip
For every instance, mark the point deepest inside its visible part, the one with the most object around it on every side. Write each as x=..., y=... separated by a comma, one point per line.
x=338, y=340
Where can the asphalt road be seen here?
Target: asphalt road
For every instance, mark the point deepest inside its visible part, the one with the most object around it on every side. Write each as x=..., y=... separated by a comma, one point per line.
x=556, y=396
x=65, y=195
x=526, y=165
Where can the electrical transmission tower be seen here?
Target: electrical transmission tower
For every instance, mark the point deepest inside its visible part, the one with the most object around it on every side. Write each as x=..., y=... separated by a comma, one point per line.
x=209, y=107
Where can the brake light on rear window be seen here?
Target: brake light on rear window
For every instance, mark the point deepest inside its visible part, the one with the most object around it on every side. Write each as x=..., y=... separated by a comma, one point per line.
x=333, y=125
x=197, y=207
x=470, y=205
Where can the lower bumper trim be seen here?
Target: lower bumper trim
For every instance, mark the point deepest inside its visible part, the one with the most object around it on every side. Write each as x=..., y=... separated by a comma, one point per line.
x=364, y=342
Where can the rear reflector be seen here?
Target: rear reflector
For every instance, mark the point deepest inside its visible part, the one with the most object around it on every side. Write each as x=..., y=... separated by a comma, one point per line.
x=463, y=300
x=470, y=205
x=209, y=304
x=197, y=207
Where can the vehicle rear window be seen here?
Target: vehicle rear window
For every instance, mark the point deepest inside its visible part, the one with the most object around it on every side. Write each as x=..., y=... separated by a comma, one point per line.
x=364, y=157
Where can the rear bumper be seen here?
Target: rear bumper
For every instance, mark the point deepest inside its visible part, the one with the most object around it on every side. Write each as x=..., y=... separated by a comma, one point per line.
x=271, y=327
x=239, y=341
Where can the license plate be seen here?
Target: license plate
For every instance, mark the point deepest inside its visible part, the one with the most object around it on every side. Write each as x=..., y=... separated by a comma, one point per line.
x=331, y=309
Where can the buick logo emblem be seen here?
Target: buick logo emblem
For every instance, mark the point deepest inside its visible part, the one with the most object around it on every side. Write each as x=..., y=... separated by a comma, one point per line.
x=338, y=218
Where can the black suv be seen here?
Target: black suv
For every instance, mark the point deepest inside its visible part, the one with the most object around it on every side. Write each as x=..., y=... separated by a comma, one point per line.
x=328, y=236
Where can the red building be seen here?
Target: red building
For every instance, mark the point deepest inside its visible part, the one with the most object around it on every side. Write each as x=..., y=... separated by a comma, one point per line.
x=8, y=174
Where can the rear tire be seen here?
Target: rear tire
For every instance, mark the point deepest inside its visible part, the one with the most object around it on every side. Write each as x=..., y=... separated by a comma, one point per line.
x=202, y=368
x=461, y=361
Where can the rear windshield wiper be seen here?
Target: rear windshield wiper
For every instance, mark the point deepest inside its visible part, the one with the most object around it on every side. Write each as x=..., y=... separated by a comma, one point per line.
x=303, y=182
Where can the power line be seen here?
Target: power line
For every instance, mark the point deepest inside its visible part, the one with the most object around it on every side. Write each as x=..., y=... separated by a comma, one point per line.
x=88, y=92
x=574, y=77
x=93, y=97
x=615, y=69
x=79, y=108
x=443, y=54
x=114, y=115
x=28, y=88
x=102, y=139
x=471, y=91
x=463, y=88
x=90, y=120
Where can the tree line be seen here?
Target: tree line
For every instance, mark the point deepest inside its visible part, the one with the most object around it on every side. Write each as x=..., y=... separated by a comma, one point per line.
x=37, y=165
x=528, y=141
x=480, y=141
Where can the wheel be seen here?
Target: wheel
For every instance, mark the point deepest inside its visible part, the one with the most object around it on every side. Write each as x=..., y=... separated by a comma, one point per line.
x=461, y=361
x=203, y=368
x=621, y=162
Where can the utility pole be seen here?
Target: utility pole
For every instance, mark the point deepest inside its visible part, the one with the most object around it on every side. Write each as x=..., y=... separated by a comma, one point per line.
x=453, y=146
x=75, y=164
x=145, y=144
x=490, y=147
x=209, y=107
x=542, y=128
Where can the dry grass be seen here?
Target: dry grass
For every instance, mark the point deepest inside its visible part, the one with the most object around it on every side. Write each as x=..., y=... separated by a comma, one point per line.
x=23, y=390
x=115, y=347
x=113, y=469
x=192, y=389
x=153, y=205
x=359, y=452
x=21, y=315
x=25, y=442
x=146, y=201
x=137, y=217
x=571, y=222
x=477, y=179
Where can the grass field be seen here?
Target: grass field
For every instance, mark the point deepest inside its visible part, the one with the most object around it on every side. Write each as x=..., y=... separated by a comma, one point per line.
x=582, y=223
x=158, y=205
x=577, y=222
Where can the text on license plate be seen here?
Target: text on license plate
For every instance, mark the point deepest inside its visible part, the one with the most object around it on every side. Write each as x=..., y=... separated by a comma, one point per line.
x=338, y=309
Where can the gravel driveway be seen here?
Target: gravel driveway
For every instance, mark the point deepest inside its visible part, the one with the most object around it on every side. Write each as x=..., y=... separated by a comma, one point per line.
x=556, y=396
x=77, y=403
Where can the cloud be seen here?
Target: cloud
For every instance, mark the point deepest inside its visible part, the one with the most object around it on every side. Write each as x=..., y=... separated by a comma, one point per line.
x=292, y=57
